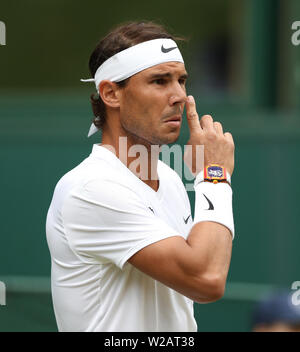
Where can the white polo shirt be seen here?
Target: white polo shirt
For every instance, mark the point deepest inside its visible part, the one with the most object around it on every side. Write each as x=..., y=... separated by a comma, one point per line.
x=100, y=215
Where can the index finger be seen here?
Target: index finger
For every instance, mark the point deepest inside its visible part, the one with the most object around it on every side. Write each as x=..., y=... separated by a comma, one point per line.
x=191, y=114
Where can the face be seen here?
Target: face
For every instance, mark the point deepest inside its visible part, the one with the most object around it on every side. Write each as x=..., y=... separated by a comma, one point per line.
x=152, y=103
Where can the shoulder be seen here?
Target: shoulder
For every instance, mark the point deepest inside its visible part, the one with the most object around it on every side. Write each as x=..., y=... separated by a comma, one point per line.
x=102, y=182
x=95, y=179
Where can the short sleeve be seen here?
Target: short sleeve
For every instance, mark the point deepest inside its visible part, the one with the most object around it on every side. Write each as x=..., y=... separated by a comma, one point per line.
x=107, y=221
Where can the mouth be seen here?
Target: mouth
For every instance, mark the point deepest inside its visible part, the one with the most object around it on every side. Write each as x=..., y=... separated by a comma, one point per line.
x=174, y=120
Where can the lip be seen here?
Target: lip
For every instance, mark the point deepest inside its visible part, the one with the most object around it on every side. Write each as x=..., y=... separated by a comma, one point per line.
x=173, y=123
x=174, y=120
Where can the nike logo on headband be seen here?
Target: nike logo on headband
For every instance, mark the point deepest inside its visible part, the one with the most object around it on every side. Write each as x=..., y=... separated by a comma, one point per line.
x=166, y=50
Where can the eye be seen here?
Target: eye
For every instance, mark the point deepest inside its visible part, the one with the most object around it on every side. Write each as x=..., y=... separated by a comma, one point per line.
x=182, y=81
x=159, y=81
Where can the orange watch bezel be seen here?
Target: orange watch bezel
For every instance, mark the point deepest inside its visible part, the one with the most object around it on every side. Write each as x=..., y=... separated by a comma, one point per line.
x=215, y=178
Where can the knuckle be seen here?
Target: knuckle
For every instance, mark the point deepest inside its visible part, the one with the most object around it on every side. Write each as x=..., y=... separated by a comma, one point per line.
x=207, y=118
x=197, y=140
x=230, y=144
x=192, y=115
x=211, y=135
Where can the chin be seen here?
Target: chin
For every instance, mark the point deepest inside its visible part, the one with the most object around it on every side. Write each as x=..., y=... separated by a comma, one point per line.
x=162, y=140
x=173, y=139
x=173, y=136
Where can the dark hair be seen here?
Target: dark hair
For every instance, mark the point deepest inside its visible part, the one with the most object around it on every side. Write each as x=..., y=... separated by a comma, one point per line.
x=119, y=39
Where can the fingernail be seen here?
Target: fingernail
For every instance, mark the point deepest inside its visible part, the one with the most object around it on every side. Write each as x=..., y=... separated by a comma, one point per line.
x=190, y=99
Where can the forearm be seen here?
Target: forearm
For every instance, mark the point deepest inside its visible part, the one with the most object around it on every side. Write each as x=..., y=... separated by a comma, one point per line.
x=211, y=245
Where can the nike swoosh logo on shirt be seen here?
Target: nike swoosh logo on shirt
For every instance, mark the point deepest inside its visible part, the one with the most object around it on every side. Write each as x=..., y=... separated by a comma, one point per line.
x=186, y=220
x=166, y=50
x=211, y=206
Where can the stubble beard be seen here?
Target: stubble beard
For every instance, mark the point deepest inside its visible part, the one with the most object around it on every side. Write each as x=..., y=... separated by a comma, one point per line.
x=139, y=136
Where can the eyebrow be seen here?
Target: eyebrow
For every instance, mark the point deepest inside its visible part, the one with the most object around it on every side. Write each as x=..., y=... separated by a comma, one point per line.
x=166, y=75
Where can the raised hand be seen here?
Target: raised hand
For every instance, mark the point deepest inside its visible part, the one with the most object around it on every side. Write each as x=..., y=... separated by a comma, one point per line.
x=218, y=146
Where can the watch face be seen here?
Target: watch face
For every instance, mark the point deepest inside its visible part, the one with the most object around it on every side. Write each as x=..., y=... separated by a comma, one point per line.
x=215, y=172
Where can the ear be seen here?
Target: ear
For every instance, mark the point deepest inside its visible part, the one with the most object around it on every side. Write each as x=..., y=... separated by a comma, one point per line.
x=109, y=92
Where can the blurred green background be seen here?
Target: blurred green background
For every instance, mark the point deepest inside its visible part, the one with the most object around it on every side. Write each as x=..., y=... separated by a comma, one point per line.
x=244, y=71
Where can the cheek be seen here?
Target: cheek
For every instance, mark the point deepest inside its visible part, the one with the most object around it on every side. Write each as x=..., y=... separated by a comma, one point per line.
x=144, y=108
x=153, y=106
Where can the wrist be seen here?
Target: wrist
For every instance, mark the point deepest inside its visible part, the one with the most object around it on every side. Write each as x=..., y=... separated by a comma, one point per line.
x=213, y=173
x=213, y=202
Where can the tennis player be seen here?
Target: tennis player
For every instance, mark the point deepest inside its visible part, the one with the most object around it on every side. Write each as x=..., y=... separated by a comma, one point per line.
x=126, y=253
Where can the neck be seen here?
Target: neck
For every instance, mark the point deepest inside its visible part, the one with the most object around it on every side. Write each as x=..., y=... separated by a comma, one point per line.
x=138, y=155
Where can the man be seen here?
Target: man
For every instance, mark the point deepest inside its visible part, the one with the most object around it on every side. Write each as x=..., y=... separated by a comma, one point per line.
x=126, y=255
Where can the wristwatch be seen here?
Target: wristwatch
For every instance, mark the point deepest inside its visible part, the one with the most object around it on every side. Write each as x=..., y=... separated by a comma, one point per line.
x=213, y=173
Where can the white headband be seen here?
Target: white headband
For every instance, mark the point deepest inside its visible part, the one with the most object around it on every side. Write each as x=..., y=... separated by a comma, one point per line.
x=135, y=59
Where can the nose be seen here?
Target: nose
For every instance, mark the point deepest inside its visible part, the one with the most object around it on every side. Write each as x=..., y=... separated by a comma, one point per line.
x=178, y=95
